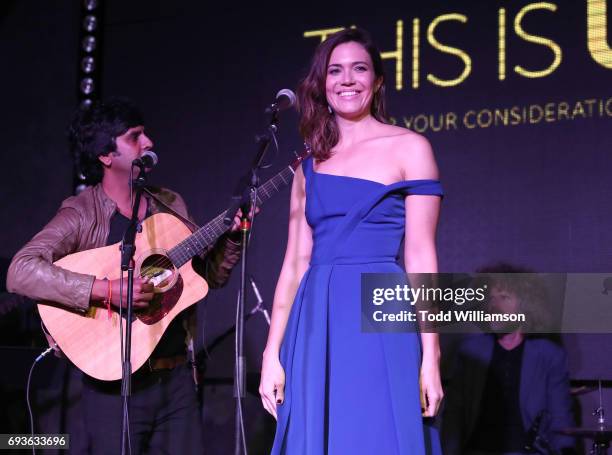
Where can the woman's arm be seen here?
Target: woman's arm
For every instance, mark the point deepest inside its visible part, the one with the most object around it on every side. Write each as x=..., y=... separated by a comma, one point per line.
x=297, y=258
x=420, y=256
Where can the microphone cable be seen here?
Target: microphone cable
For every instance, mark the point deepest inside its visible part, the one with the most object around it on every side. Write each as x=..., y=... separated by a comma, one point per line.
x=29, y=405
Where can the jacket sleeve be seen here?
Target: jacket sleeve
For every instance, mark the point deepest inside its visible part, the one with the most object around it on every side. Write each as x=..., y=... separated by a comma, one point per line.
x=216, y=266
x=559, y=399
x=33, y=274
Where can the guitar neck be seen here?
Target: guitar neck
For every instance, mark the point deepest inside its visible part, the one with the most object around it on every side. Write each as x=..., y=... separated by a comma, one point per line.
x=207, y=235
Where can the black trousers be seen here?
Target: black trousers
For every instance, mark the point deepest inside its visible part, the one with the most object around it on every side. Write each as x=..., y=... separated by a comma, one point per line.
x=163, y=409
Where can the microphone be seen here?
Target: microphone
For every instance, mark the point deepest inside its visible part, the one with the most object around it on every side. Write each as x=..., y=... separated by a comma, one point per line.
x=147, y=160
x=285, y=99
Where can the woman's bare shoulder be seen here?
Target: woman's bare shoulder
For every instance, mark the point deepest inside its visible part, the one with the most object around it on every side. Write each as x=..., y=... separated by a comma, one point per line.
x=402, y=137
x=413, y=153
x=406, y=137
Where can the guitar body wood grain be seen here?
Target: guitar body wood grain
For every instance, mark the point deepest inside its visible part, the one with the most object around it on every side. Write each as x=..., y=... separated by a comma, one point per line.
x=92, y=341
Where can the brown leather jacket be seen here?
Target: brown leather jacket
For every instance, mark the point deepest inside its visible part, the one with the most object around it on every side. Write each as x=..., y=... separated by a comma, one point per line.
x=83, y=223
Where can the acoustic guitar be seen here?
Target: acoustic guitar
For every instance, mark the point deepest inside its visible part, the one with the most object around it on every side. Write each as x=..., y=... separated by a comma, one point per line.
x=164, y=249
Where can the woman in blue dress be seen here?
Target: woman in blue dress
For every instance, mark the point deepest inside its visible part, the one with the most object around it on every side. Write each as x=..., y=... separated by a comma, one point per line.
x=333, y=388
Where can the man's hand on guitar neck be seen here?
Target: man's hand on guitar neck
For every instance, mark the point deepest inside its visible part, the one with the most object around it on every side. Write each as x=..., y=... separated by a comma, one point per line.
x=143, y=292
x=238, y=218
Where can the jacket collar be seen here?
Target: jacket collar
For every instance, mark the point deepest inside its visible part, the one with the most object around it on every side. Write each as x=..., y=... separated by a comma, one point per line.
x=103, y=198
x=111, y=206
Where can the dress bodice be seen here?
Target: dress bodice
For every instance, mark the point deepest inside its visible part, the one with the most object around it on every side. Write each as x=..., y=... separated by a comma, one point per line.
x=357, y=220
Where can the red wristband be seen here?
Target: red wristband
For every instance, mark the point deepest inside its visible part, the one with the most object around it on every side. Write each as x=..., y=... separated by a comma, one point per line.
x=109, y=298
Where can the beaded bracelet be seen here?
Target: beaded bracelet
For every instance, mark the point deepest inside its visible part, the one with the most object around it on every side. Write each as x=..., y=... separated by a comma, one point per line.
x=109, y=298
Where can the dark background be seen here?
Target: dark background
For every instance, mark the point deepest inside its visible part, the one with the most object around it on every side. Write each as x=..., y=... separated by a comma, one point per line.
x=535, y=195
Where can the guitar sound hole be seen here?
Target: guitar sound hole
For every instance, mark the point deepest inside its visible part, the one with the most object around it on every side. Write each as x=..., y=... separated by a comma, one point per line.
x=168, y=286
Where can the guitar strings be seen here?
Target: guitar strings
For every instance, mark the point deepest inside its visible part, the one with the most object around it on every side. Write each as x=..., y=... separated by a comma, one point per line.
x=164, y=259
x=209, y=231
x=217, y=224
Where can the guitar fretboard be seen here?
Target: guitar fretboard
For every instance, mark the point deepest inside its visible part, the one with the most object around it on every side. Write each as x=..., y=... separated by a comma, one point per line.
x=207, y=235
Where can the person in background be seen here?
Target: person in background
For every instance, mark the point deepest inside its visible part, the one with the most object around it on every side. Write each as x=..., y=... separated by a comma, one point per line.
x=510, y=390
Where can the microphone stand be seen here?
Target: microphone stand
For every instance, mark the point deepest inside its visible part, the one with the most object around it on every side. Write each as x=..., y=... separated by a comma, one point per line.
x=250, y=180
x=246, y=186
x=128, y=248
x=259, y=308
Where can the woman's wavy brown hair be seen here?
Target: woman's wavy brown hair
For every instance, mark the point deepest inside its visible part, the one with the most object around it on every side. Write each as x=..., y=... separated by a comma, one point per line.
x=317, y=126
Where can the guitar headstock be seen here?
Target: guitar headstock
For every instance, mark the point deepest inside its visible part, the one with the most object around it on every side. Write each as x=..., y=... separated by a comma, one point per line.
x=301, y=157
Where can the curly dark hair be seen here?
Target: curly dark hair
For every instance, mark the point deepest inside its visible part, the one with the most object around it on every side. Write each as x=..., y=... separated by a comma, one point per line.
x=93, y=131
x=317, y=126
x=523, y=282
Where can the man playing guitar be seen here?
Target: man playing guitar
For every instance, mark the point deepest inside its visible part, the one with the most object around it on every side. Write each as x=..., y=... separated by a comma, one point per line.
x=164, y=411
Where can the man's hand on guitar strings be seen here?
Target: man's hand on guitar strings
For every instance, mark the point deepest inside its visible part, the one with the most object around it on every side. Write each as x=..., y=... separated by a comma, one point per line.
x=143, y=292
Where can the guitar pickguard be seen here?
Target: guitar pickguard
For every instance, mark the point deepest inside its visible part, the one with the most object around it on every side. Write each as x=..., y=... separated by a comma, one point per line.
x=161, y=304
